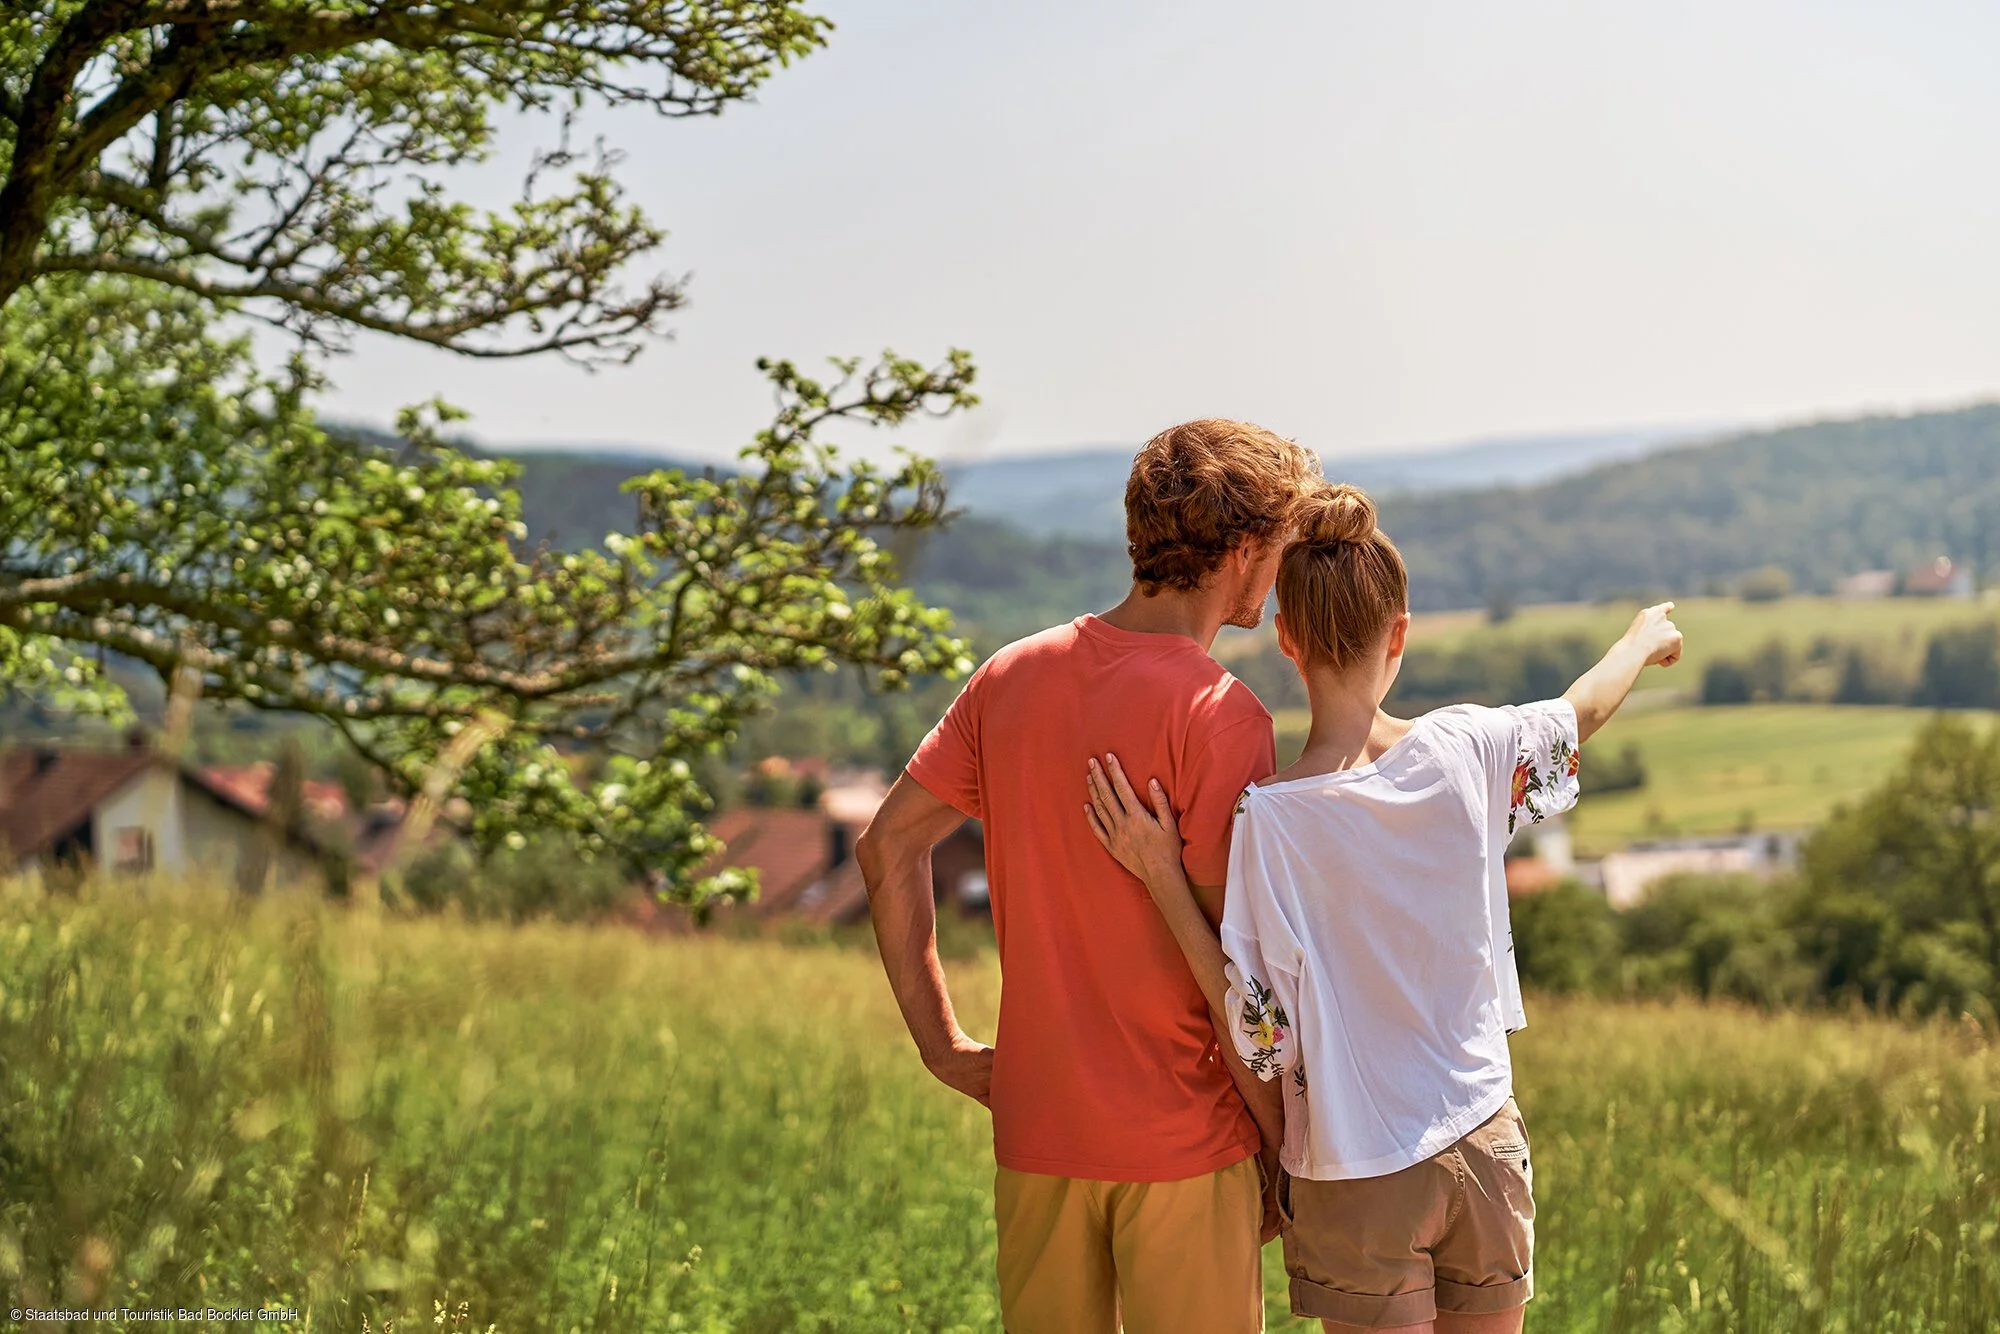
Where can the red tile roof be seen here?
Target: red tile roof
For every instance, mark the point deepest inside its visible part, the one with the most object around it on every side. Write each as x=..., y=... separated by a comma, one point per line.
x=790, y=847
x=249, y=785
x=1530, y=875
x=47, y=793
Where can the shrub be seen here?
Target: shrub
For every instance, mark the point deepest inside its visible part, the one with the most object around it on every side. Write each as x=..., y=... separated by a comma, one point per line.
x=547, y=878
x=1769, y=584
x=1565, y=939
x=1901, y=904
x=1622, y=772
x=1725, y=682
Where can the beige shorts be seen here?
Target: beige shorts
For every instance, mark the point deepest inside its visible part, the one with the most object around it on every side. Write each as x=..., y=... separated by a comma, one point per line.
x=1453, y=1233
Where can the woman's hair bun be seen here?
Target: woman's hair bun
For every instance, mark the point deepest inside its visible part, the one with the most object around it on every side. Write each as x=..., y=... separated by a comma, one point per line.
x=1336, y=514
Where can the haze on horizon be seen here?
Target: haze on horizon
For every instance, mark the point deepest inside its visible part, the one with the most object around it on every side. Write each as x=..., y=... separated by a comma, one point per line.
x=1370, y=227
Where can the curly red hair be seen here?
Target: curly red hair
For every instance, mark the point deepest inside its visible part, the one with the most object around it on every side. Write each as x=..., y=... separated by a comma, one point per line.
x=1200, y=489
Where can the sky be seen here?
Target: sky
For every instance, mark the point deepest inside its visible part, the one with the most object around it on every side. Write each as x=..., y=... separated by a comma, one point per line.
x=1371, y=227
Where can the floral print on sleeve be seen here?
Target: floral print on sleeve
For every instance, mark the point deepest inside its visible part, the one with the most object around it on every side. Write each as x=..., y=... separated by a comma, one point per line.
x=1263, y=1029
x=1545, y=772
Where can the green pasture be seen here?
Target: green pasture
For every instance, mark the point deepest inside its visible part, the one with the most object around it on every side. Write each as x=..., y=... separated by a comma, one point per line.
x=1753, y=766
x=278, y=1104
x=1722, y=627
x=1715, y=628
x=1718, y=770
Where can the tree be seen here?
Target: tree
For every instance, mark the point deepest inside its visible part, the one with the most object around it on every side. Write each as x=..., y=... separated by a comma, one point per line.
x=1962, y=668
x=1863, y=679
x=251, y=150
x=170, y=166
x=1903, y=890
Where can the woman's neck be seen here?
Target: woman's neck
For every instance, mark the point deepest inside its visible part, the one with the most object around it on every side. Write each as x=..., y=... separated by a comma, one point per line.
x=1349, y=728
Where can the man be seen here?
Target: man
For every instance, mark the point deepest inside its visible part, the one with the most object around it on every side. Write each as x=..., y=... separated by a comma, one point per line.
x=1128, y=1176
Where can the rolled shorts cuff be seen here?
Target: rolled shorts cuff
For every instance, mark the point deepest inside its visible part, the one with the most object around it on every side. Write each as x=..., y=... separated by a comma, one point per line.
x=1484, y=1298
x=1369, y=1310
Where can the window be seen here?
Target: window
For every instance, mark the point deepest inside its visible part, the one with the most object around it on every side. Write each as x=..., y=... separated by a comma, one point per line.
x=134, y=847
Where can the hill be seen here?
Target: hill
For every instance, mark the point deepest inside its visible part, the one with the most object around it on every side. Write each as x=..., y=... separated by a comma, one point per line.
x=1821, y=500
x=1080, y=493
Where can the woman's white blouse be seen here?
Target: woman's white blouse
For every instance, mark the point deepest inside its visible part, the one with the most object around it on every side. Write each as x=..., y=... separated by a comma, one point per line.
x=1371, y=961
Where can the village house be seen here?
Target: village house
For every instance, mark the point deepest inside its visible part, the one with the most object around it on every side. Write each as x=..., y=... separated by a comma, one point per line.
x=133, y=811
x=1542, y=858
x=1625, y=876
x=804, y=858
x=1939, y=579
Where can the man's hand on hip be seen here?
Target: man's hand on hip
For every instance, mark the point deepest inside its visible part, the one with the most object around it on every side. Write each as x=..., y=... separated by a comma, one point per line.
x=967, y=1065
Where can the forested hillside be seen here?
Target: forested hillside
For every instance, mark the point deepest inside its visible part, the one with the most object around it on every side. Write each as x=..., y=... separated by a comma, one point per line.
x=1822, y=501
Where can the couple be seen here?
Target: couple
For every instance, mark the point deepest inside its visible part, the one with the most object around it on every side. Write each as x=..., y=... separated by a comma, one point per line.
x=1333, y=1067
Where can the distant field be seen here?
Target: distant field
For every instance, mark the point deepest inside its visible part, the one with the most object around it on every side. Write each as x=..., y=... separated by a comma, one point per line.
x=1715, y=627
x=1724, y=627
x=1776, y=766
x=1758, y=766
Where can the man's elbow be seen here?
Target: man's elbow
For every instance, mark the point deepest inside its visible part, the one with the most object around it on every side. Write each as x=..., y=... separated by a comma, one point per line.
x=875, y=850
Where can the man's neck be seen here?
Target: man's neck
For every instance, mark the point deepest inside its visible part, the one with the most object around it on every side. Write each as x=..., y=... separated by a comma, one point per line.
x=1198, y=615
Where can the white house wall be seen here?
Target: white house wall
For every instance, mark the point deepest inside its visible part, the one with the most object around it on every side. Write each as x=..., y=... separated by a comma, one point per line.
x=151, y=801
x=193, y=833
x=217, y=836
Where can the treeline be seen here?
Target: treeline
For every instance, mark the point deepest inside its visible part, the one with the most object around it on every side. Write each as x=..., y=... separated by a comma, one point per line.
x=1895, y=906
x=1809, y=504
x=1960, y=669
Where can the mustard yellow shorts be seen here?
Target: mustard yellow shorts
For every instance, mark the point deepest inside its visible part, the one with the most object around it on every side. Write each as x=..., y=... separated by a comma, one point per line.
x=1453, y=1233
x=1152, y=1257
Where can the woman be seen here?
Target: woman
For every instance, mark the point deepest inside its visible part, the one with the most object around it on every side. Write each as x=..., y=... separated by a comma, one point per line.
x=1365, y=956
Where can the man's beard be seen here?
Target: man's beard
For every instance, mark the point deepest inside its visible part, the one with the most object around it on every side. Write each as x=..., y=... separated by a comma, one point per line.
x=1247, y=614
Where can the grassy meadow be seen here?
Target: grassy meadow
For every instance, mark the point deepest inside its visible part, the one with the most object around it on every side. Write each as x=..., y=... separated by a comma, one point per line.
x=1720, y=627
x=211, y=1103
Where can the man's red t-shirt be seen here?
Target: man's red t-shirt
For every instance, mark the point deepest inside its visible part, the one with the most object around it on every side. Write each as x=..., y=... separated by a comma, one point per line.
x=1105, y=1065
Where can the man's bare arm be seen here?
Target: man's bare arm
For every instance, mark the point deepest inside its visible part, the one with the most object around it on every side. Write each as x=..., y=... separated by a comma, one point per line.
x=895, y=856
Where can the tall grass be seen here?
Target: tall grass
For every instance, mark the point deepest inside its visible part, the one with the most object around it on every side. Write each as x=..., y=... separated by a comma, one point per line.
x=210, y=1103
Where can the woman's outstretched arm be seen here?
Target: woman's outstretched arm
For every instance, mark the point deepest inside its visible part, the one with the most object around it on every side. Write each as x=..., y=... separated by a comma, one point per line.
x=1651, y=640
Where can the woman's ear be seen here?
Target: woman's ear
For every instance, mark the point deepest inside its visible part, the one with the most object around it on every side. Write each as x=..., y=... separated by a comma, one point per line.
x=1399, y=635
x=1285, y=644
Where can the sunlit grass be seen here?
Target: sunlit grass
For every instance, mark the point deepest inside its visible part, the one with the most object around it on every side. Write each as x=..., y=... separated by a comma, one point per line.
x=206, y=1103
